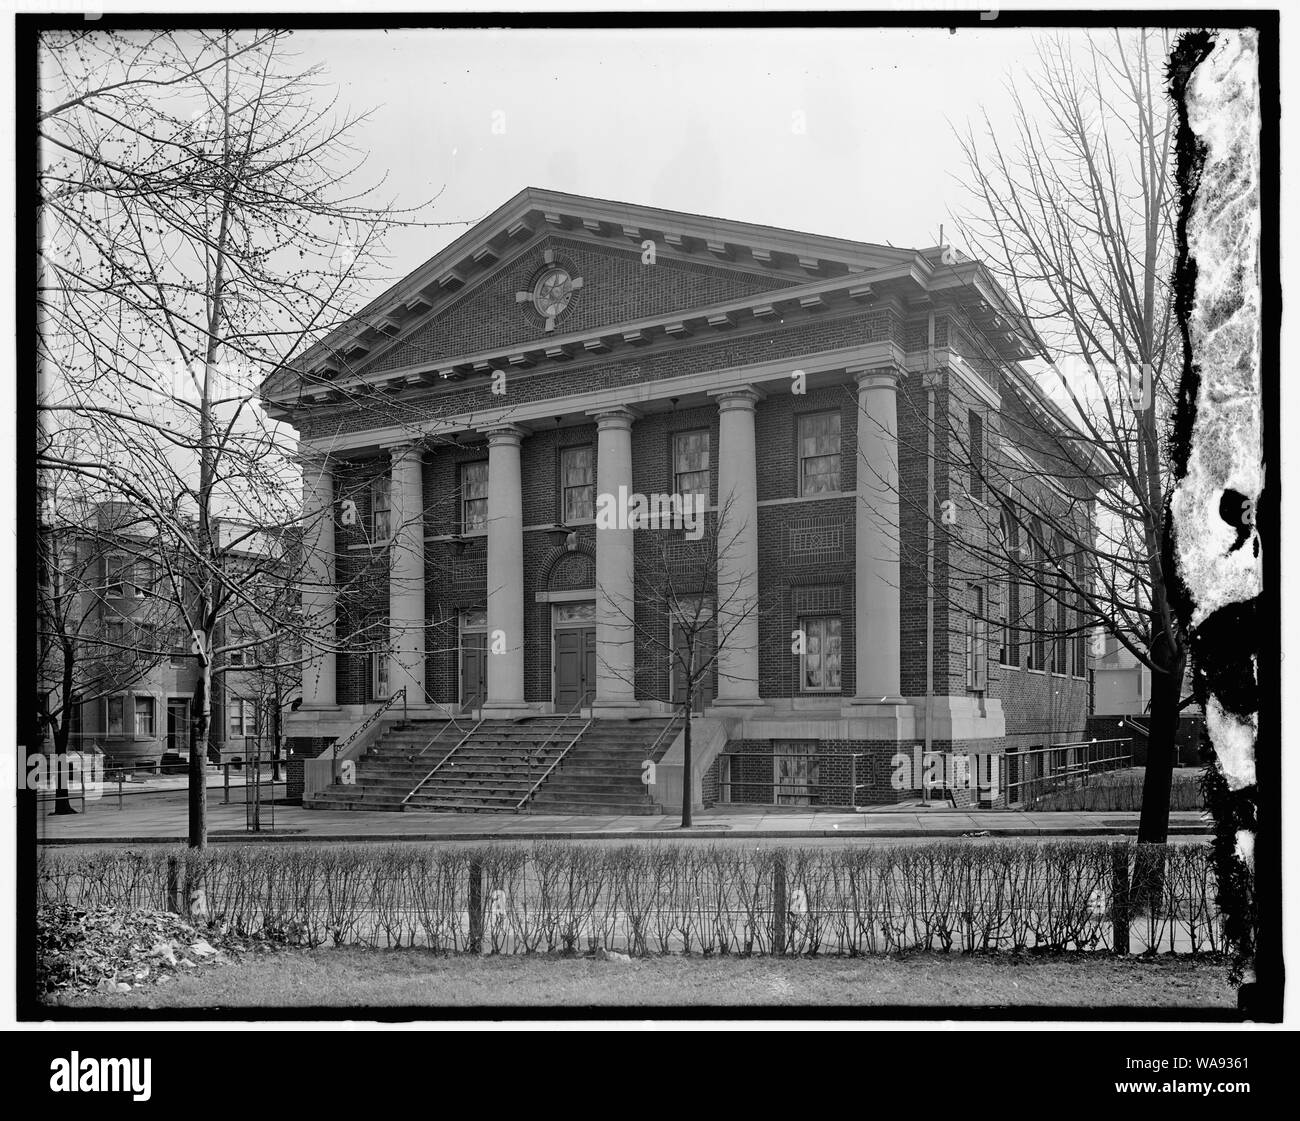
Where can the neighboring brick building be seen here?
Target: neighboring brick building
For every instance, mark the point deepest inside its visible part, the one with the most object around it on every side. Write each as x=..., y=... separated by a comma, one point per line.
x=134, y=674
x=568, y=347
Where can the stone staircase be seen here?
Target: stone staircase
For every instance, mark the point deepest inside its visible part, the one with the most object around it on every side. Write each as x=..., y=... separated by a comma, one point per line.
x=499, y=764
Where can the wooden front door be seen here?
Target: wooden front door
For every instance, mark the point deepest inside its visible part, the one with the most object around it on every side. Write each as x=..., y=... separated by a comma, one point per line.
x=178, y=727
x=575, y=666
x=473, y=669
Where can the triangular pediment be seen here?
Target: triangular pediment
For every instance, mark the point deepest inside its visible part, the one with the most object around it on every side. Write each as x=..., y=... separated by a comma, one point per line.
x=473, y=296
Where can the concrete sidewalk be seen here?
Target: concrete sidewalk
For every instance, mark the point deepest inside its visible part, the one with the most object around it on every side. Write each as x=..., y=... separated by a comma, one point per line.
x=162, y=819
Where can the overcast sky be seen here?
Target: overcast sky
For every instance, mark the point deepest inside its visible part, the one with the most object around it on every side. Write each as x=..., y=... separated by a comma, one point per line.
x=703, y=121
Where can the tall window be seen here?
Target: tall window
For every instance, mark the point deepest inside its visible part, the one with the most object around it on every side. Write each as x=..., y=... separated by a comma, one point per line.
x=1009, y=609
x=473, y=496
x=144, y=716
x=381, y=508
x=577, y=484
x=976, y=641
x=1037, y=574
x=691, y=464
x=1080, y=642
x=243, y=717
x=1061, y=623
x=819, y=453
x=114, y=709
x=376, y=638
x=178, y=644
x=819, y=664
x=975, y=425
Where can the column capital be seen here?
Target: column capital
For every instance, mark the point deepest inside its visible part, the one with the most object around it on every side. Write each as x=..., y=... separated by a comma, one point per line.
x=504, y=434
x=876, y=377
x=614, y=416
x=738, y=397
x=406, y=450
x=314, y=458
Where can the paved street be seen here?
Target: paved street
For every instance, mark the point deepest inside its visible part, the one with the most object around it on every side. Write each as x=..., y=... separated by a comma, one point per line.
x=157, y=813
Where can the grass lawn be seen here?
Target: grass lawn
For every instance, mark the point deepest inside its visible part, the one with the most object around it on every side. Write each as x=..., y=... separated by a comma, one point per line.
x=350, y=977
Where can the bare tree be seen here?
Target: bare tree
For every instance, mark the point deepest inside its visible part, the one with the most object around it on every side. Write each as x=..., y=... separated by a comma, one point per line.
x=199, y=229
x=1074, y=210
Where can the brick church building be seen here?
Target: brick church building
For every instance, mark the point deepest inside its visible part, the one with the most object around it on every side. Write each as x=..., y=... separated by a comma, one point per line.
x=464, y=438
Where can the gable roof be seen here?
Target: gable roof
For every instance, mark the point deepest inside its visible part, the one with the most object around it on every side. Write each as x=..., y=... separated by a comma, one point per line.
x=789, y=255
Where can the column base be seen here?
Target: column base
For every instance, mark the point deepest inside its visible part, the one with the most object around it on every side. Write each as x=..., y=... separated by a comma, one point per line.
x=616, y=709
x=507, y=710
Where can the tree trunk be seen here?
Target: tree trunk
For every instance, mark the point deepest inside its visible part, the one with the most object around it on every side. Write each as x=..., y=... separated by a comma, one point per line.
x=686, y=761
x=1166, y=692
x=62, y=732
x=198, y=761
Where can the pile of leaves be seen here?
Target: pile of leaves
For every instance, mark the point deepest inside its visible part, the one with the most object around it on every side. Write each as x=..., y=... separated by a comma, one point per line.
x=117, y=949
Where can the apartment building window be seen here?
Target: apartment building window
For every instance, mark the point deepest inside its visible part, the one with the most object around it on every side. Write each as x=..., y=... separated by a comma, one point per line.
x=243, y=716
x=144, y=716
x=114, y=631
x=819, y=663
x=473, y=496
x=577, y=484
x=142, y=578
x=691, y=464
x=819, y=453
x=976, y=642
x=235, y=658
x=381, y=508
x=117, y=570
x=114, y=709
x=178, y=643
x=975, y=430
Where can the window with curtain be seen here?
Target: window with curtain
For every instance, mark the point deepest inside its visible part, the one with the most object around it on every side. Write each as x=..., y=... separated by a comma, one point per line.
x=473, y=496
x=819, y=664
x=144, y=716
x=114, y=709
x=243, y=717
x=819, y=453
x=577, y=484
x=691, y=464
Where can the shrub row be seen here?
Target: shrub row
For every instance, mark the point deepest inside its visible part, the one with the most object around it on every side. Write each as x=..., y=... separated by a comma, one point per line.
x=1122, y=791
x=669, y=898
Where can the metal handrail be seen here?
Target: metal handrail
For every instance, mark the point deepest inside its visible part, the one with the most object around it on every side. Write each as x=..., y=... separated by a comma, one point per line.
x=366, y=725
x=416, y=789
x=450, y=723
x=793, y=789
x=672, y=720
x=559, y=758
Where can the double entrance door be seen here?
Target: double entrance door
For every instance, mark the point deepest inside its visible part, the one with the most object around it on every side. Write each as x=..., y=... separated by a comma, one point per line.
x=574, y=631
x=574, y=646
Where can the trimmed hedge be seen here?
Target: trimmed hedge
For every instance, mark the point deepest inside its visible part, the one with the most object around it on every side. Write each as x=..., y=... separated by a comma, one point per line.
x=647, y=899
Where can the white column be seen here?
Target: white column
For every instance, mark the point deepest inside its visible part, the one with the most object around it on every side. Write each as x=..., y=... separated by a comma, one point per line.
x=505, y=571
x=737, y=608
x=615, y=575
x=406, y=574
x=318, y=592
x=877, y=579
